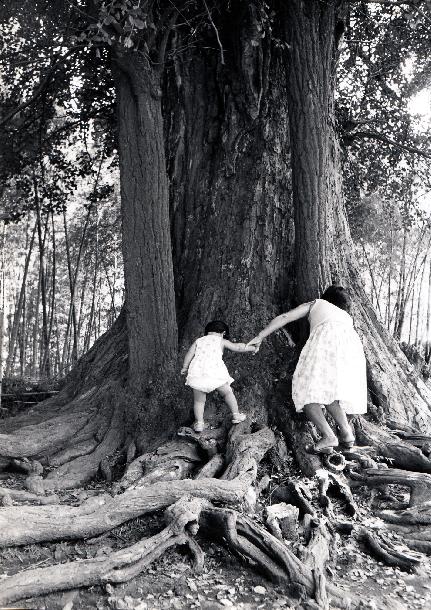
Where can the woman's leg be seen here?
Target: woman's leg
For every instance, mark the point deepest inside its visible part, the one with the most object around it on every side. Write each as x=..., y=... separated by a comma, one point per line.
x=229, y=397
x=314, y=412
x=199, y=399
x=338, y=413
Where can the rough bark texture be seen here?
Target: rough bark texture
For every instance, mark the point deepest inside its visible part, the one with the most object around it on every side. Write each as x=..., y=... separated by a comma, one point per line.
x=119, y=566
x=230, y=179
x=148, y=273
x=324, y=249
x=74, y=430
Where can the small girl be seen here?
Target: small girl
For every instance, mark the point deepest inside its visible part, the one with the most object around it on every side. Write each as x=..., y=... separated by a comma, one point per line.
x=207, y=371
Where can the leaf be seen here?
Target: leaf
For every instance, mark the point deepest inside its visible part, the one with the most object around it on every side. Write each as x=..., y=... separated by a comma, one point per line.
x=140, y=24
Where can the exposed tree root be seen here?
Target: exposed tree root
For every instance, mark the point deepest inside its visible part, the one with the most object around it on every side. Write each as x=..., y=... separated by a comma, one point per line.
x=282, y=520
x=71, y=433
x=387, y=552
x=212, y=468
x=210, y=441
x=157, y=480
x=27, y=525
x=418, y=514
x=10, y=496
x=186, y=498
x=402, y=454
x=85, y=467
x=172, y=461
x=339, y=484
x=265, y=552
x=182, y=522
x=316, y=555
x=245, y=451
x=71, y=445
x=422, y=441
x=419, y=483
x=297, y=494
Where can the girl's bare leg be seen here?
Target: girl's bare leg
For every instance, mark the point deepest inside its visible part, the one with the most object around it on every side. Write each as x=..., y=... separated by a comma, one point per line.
x=199, y=399
x=229, y=397
x=314, y=412
x=338, y=413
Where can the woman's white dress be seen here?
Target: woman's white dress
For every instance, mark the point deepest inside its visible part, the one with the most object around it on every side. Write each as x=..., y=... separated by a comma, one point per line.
x=332, y=363
x=207, y=371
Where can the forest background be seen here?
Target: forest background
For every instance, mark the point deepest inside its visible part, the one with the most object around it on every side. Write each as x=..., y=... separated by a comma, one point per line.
x=61, y=261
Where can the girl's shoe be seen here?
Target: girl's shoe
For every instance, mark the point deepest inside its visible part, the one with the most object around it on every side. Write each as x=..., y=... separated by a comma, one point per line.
x=238, y=418
x=199, y=426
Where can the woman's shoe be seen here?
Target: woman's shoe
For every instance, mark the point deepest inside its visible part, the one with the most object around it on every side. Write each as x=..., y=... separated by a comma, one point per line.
x=238, y=418
x=346, y=445
x=199, y=426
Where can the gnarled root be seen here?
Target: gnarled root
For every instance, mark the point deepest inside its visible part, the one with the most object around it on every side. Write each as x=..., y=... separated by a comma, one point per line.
x=265, y=553
x=328, y=480
x=282, y=520
x=297, y=494
x=418, y=514
x=8, y=497
x=182, y=523
x=75, y=430
x=245, y=451
x=402, y=454
x=29, y=524
x=172, y=461
x=316, y=555
x=419, y=483
x=385, y=551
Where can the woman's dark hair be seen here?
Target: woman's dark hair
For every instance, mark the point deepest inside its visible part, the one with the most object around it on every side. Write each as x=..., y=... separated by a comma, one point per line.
x=337, y=295
x=216, y=326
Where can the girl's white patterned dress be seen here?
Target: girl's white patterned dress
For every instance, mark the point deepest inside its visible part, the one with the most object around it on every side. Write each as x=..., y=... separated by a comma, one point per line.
x=207, y=371
x=332, y=363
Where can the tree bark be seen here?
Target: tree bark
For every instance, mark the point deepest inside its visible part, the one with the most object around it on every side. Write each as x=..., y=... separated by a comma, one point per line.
x=71, y=319
x=228, y=165
x=324, y=249
x=428, y=325
x=148, y=272
x=44, y=345
x=18, y=311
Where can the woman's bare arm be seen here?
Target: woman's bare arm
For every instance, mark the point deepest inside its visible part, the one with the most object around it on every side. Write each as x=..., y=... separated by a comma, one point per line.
x=285, y=318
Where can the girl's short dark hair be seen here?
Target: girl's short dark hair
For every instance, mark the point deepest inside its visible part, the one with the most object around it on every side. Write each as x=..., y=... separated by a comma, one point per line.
x=217, y=326
x=337, y=295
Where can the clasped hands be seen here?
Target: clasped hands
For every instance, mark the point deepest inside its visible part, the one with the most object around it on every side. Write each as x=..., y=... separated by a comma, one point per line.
x=256, y=342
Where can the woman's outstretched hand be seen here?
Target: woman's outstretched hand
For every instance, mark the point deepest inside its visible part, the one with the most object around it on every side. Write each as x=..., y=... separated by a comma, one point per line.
x=256, y=342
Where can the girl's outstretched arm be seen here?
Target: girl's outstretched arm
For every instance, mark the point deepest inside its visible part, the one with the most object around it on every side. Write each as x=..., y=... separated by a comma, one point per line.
x=294, y=314
x=238, y=347
x=188, y=358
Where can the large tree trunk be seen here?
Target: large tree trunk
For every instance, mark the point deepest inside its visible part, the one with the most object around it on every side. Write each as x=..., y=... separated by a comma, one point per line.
x=228, y=163
x=231, y=216
x=324, y=249
x=149, y=280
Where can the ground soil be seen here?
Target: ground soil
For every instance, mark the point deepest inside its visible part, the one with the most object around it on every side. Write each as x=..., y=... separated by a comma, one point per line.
x=226, y=582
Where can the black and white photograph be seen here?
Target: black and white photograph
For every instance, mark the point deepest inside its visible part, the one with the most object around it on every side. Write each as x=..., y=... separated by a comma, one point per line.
x=215, y=304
